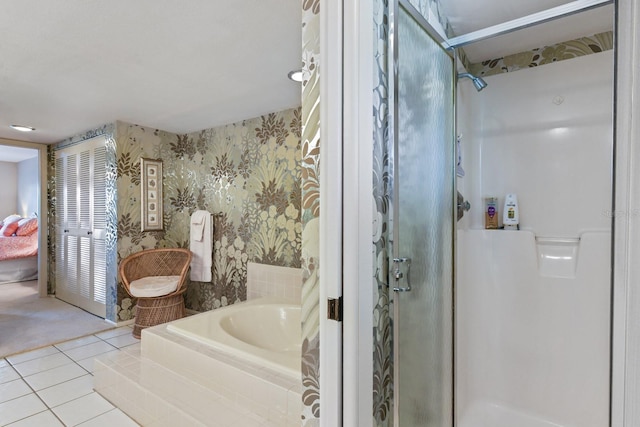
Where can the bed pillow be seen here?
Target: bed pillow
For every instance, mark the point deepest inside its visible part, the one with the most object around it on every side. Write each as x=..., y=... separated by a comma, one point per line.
x=10, y=225
x=9, y=229
x=12, y=218
x=27, y=226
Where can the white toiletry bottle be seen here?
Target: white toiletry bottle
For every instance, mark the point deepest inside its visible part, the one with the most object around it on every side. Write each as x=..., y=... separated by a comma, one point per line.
x=510, y=215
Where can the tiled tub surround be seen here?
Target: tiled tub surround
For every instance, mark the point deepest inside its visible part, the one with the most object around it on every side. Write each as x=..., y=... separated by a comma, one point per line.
x=271, y=280
x=180, y=381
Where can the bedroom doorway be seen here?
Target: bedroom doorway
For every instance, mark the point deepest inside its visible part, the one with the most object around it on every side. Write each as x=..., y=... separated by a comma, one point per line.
x=23, y=174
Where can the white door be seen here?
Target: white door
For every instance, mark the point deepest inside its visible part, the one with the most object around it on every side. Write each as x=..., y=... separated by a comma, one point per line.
x=81, y=225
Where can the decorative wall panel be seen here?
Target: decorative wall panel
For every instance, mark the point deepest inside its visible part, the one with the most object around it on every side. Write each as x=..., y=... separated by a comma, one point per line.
x=310, y=212
x=382, y=187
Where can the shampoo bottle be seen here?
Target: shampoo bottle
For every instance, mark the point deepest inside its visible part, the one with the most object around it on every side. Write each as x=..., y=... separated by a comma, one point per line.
x=511, y=214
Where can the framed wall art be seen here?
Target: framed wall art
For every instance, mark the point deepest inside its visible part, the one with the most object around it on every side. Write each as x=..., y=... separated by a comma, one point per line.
x=151, y=184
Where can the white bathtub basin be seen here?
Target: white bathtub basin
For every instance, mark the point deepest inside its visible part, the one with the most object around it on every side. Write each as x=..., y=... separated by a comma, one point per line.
x=264, y=331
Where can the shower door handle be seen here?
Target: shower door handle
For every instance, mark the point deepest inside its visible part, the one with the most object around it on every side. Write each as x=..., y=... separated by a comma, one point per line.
x=401, y=267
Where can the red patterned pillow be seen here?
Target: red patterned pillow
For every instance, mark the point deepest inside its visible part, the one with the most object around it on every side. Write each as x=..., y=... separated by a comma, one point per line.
x=9, y=229
x=27, y=226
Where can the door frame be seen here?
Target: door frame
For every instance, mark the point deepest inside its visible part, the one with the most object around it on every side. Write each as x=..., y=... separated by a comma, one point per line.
x=346, y=129
x=43, y=220
x=358, y=258
x=625, y=372
x=331, y=216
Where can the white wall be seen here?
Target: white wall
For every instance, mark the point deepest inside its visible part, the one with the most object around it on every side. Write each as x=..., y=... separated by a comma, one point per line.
x=519, y=140
x=28, y=183
x=532, y=344
x=8, y=189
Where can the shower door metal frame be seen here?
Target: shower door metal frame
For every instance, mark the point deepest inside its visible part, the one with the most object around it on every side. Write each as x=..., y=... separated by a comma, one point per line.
x=541, y=17
x=393, y=95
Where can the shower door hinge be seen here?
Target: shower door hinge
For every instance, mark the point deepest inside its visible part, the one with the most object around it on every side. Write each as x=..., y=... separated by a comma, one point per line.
x=334, y=309
x=401, y=268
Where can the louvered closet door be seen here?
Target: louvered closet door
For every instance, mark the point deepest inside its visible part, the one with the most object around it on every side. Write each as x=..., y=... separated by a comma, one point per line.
x=80, y=225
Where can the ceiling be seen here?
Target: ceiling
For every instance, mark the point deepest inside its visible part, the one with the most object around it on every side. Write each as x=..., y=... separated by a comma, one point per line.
x=67, y=66
x=466, y=16
x=16, y=154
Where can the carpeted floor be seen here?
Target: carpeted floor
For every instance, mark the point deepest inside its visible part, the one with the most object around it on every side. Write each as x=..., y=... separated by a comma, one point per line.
x=28, y=322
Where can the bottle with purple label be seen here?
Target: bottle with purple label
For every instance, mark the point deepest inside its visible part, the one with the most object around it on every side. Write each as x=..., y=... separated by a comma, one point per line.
x=490, y=213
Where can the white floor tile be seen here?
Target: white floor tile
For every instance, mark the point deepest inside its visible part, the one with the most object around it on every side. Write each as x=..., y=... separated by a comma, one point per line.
x=33, y=354
x=82, y=409
x=12, y=389
x=42, y=419
x=3, y=363
x=87, y=364
x=123, y=340
x=20, y=408
x=89, y=350
x=68, y=345
x=8, y=374
x=123, y=330
x=115, y=417
x=67, y=391
x=54, y=376
x=45, y=363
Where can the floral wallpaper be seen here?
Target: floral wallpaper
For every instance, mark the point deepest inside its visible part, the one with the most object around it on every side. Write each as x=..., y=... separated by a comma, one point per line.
x=382, y=189
x=310, y=213
x=247, y=174
x=545, y=55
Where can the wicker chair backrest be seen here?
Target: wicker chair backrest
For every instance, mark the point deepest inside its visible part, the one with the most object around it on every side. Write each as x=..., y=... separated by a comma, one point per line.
x=155, y=262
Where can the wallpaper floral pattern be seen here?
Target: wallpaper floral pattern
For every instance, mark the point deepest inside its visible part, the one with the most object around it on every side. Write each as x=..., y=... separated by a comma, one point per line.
x=310, y=212
x=247, y=174
x=545, y=55
x=382, y=189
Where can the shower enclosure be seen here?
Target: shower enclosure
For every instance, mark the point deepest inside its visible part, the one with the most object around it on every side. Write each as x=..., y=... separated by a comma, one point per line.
x=497, y=328
x=422, y=262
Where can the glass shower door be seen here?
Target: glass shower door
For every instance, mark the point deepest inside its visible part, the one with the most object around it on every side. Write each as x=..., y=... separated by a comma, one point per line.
x=423, y=224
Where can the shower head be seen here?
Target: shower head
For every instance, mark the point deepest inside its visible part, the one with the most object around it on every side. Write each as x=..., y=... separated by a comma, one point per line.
x=477, y=81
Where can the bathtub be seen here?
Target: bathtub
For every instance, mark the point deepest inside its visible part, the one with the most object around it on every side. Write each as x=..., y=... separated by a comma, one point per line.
x=264, y=331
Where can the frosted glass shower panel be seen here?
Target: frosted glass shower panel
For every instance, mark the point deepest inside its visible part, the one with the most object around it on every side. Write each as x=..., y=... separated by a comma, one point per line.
x=424, y=227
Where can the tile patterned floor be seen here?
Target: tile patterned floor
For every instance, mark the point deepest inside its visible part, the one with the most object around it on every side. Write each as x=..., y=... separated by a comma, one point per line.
x=53, y=386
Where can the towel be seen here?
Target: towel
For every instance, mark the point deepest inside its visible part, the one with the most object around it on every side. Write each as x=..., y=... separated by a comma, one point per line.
x=198, y=223
x=201, y=246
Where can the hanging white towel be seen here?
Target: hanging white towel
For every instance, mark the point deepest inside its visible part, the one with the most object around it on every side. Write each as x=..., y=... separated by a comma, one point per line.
x=201, y=246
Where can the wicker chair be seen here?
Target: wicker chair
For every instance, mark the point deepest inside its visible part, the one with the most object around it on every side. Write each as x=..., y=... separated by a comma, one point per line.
x=143, y=266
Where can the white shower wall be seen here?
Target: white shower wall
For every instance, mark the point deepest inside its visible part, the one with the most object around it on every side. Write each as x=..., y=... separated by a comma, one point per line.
x=533, y=344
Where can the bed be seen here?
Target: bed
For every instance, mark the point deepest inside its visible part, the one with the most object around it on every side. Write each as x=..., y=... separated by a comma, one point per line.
x=19, y=252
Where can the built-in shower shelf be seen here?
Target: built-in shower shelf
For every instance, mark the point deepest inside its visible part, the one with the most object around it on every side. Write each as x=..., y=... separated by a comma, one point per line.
x=557, y=256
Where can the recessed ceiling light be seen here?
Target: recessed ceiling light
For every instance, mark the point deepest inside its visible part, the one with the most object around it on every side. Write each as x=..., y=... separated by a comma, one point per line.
x=295, y=75
x=22, y=128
